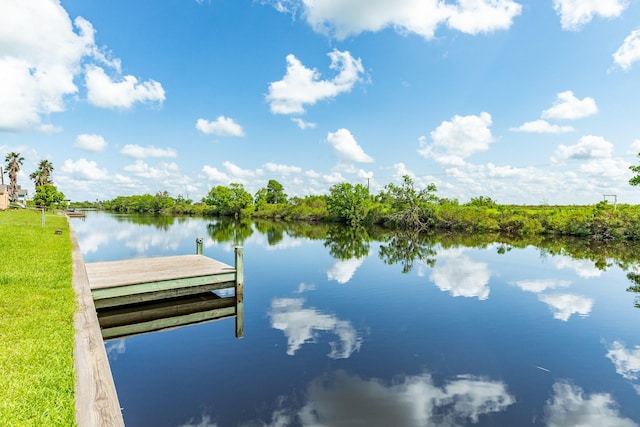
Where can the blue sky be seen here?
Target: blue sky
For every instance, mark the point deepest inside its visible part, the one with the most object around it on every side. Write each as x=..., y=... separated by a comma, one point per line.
x=527, y=101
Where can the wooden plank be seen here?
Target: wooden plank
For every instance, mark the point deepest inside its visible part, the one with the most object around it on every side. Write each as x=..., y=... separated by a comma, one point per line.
x=162, y=285
x=149, y=270
x=96, y=398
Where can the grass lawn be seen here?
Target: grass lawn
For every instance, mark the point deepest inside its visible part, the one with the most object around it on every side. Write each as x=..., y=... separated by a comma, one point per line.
x=37, y=303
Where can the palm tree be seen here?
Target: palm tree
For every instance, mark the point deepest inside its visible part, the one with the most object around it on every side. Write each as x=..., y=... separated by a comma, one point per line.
x=13, y=161
x=43, y=174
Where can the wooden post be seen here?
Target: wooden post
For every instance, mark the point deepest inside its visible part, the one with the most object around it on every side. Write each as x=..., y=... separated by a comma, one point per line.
x=199, y=246
x=239, y=292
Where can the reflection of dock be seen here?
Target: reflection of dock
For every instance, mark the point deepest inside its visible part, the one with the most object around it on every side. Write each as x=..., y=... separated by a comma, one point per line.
x=118, y=322
x=153, y=292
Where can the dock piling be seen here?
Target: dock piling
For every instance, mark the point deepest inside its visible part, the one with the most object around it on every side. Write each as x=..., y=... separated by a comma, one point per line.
x=239, y=292
x=199, y=246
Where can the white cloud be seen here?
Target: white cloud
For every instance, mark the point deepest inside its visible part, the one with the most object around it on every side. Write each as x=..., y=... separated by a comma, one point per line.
x=90, y=142
x=461, y=276
x=103, y=91
x=222, y=126
x=346, y=146
x=610, y=168
x=213, y=174
x=537, y=286
x=302, y=124
x=343, y=270
x=570, y=407
x=588, y=147
x=139, y=152
x=629, y=52
x=302, y=86
x=542, y=126
x=282, y=169
x=583, y=268
x=455, y=140
x=141, y=169
x=240, y=174
x=302, y=325
x=575, y=13
x=408, y=401
x=83, y=170
x=635, y=147
x=626, y=361
x=343, y=18
x=568, y=107
x=565, y=305
x=40, y=55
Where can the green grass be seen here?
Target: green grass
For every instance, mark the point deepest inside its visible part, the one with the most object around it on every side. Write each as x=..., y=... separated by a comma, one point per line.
x=37, y=303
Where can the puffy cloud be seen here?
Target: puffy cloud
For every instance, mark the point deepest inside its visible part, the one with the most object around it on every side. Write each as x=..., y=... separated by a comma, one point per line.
x=346, y=146
x=568, y=107
x=90, y=142
x=282, y=169
x=302, y=86
x=575, y=13
x=588, y=147
x=455, y=140
x=83, y=170
x=139, y=152
x=343, y=270
x=103, y=91
x=461, y=276
x=340, y=18
x=213, y=174
x=611, y=168
x=635, y=147
x=141, y=169
x=570, y=407
x=222, y=126
x=40, y=55
x=565, y=305
x=409, y=401
x=241, y=174
x=301, y=325
x=626, y=361
x=629, y=52
x=542, y=126
x=537, y=286
x=582, y=268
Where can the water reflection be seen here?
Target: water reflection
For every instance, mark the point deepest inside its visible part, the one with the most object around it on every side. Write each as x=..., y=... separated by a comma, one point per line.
x=570, y=407
x=461, y=276
x=302, y=325
x=386, y=324
x=343, y=271
x=626, y=361
x=565, y=305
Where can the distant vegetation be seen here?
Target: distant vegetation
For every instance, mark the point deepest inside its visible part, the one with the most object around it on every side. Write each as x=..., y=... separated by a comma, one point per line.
x=398, y=207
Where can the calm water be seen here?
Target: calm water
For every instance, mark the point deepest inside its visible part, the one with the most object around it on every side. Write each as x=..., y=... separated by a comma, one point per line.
x=336, y=334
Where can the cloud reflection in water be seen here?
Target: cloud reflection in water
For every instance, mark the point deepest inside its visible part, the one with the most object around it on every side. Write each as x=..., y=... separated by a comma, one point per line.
x=301, y=325
x=570, y=407
x=462, y=277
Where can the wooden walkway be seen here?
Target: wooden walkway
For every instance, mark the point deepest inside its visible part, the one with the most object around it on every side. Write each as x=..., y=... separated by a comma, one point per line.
x=137, y=296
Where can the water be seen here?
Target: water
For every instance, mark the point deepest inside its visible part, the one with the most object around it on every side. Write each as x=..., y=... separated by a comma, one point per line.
x=336, y=334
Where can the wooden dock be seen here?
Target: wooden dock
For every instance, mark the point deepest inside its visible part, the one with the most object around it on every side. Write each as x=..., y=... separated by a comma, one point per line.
x=121, y=298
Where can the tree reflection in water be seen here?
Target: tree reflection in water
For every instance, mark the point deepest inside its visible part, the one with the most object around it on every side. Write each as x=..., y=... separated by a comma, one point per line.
x=405, y=248
x=229, y=230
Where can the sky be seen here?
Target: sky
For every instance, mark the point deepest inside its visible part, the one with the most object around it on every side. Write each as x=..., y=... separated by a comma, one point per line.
x=523, y=101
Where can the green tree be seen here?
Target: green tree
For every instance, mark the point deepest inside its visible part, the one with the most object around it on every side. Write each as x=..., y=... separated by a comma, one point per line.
x=13, y=162
x=48, y=195
x=230, y=200
x=410, y=209
x=349, y=203
x=635, y=169
x=43, y=174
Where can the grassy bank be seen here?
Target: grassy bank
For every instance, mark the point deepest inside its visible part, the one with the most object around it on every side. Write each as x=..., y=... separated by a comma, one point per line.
x=37, y=304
